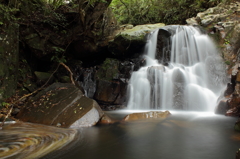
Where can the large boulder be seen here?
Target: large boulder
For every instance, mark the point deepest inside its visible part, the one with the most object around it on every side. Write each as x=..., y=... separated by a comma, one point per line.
x=110, y=83
x=110, y=92
x=61, y=105
x=131, y=41
x=107, y=83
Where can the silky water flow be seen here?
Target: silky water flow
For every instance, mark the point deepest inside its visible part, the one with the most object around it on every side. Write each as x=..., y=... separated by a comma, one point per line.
x=193, y=79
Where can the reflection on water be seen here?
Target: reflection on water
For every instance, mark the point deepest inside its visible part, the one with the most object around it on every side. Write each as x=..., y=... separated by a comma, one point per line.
x=31, y=141
x=181, y=136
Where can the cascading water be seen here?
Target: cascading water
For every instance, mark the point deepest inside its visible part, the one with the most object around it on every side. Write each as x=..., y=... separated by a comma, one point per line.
x=193, y=80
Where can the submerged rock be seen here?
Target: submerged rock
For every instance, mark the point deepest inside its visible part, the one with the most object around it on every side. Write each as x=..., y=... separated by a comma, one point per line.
x=61, y=105
x=147, y=115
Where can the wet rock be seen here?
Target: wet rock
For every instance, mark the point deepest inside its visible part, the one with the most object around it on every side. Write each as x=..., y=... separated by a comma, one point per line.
x=86, y=79
x=234, y=102
x=131, y=41
x=61, y=105
x=163, y=52
x=125, y=69
x=106, y=91
x=178, y=76
x=237, y=126
x=222, y=107
x=233, y=112
x=179, y=102
x=111, y=84
x=229, y=90
x=147, y=116
x=238, y=154
x=112, y=107
x=106, y=83
x=121, y=98
x=110, y=92
x=106, y=120
x=154, y=73
x=109, y=70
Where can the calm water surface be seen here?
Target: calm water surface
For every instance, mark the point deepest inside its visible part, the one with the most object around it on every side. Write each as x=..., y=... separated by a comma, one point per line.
x=180, y=136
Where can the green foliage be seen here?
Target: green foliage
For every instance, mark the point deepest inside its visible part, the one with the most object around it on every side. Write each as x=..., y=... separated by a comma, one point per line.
x=58, y=57
x=226, y=41
x=155, y=11
x=7, y=14
x=6, y=105
x=55, y=3
x=227, y=62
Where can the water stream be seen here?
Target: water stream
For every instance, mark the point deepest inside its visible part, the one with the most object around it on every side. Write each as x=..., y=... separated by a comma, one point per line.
x=193, y=79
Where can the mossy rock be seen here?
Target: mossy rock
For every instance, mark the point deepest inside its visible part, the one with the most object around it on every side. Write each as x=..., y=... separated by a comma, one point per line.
x=237, y=126
x=61, y=105
x=131, y=41
x=109, y=70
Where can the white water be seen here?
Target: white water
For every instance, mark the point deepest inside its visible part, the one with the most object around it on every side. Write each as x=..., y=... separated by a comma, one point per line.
x=193, y=79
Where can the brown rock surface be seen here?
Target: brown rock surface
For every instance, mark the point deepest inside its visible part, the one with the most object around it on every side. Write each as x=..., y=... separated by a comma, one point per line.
x=222, y=107
x=238, y=154
x=61, y=105
x=147, y=115
x=106, y=120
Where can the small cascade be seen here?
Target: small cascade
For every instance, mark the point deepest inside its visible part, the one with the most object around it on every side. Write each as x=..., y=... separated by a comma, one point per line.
x=87, y=81
x=192, y=80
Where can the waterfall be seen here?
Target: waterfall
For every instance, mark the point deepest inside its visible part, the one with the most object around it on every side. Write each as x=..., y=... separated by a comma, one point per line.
x=193, y=78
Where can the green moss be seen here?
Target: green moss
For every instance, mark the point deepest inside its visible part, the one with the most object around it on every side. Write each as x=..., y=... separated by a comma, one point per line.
x=109, y=69
x=227, y=62
x=237, y=127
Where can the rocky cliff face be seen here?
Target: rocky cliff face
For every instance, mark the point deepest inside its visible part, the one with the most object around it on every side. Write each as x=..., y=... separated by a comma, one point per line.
x=223, y=24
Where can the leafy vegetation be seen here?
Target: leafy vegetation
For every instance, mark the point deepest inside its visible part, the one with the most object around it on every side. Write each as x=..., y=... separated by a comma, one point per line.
x=55, y=3
x=155, y=11
x=7, y=14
